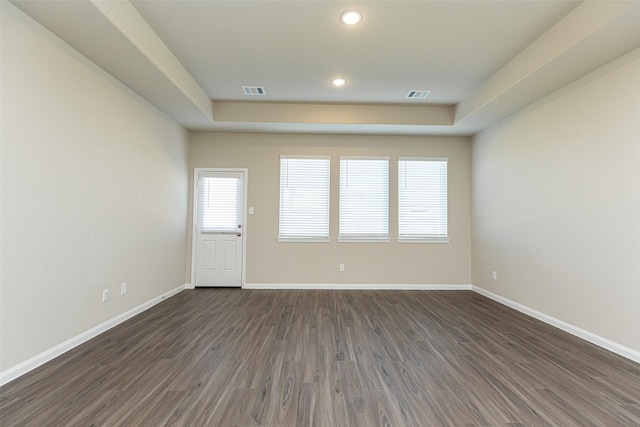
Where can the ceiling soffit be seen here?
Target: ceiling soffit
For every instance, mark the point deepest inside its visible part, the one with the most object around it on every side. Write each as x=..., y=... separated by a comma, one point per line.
x=589, y=36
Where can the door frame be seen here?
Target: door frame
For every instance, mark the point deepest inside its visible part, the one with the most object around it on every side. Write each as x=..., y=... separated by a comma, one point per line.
x=194, y=220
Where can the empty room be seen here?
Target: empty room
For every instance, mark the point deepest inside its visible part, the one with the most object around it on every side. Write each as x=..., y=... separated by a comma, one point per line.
x=320, y=213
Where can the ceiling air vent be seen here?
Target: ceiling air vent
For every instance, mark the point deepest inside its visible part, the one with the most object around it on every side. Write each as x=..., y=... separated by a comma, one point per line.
x=253, y=90
x=418, y=94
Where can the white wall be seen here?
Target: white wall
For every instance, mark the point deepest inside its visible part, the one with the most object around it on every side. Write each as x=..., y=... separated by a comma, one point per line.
x=393, y=263
x=556, y=205
x=94, y=193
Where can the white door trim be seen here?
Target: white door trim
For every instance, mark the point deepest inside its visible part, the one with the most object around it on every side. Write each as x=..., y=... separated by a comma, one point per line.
x=194, y=219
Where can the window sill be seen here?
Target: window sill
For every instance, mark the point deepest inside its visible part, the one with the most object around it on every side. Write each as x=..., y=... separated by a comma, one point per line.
x=303, y=240
x=437, y=241
x=362, y=240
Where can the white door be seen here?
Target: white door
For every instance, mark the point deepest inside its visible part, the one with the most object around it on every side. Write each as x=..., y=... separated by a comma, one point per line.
x=218, y=234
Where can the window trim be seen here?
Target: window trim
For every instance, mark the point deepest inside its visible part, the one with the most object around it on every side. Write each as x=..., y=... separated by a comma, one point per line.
x=418, y=238
x=304, y=239
x=423, y=240
x=372, y=238
x=200, y=226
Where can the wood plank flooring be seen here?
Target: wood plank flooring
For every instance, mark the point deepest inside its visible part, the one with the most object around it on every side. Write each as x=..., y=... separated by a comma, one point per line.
x=231, y=357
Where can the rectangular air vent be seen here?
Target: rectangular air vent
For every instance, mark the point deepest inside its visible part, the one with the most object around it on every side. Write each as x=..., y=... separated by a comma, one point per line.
x=253, y=90
x=418, y=94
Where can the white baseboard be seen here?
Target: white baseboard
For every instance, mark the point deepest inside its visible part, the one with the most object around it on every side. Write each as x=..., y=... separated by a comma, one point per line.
x=358, y=286
x=605, y=343
x=42, y=358
x=30, y=364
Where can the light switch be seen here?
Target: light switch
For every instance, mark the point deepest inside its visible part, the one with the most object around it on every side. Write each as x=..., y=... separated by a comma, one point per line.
x=251, y=210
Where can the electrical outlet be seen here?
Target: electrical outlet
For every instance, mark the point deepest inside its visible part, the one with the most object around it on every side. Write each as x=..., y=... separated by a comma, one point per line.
x=123, y=288
x=105, y=295
x=341, y=267
x=494, y=275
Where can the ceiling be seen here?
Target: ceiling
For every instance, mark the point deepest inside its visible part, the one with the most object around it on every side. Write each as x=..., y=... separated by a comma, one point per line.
x=480, y=60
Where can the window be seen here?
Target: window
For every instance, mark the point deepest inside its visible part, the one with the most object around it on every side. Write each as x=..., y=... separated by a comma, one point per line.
x=364, y=199
x=422, y=199
x=218, y=203
x=304, y=198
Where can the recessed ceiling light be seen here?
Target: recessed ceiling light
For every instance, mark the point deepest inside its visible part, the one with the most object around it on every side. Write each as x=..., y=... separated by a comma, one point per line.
x=351, y=17
x=338, y=81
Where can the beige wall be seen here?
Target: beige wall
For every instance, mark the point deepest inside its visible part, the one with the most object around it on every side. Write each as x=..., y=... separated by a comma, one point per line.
x=94, y=186
x=556, y=205
x=94, y=193
x=270, y=261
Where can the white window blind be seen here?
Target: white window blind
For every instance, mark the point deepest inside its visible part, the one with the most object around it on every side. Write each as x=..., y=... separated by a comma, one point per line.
x=422, y=199
x=364, y=198
x=218, y=203
x=304, y=198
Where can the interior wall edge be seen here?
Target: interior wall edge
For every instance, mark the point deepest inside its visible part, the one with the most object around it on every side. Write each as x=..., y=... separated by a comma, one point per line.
x=361, y=286
x=25, y=367
x=40, y=359
x=602, y=342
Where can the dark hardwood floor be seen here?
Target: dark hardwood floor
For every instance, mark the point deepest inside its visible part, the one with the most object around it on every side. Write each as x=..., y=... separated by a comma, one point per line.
x=230, y=357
